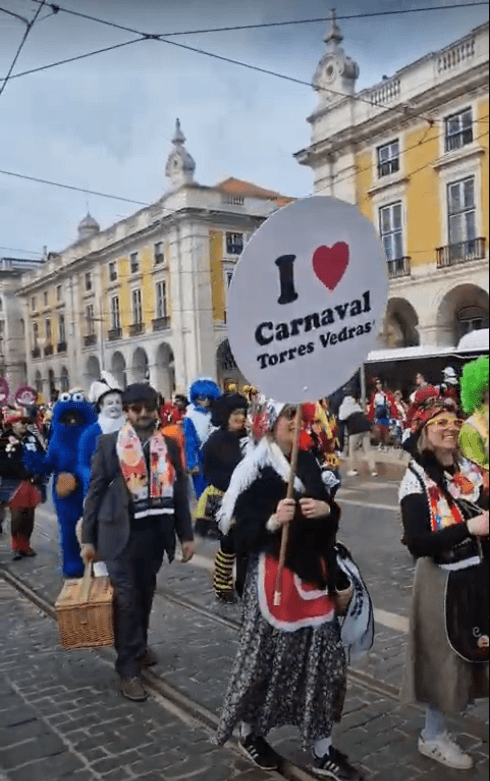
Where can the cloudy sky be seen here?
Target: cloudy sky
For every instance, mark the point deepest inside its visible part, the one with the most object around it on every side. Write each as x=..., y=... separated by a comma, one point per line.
x=105, y=123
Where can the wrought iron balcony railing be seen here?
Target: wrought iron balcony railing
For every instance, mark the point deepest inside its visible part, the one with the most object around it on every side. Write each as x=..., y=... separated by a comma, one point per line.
x=161, y=323
x=136, y=328
x=89, y=339
x=464, y=252
x=114, y=333
x=62, y=347
x=401, y=267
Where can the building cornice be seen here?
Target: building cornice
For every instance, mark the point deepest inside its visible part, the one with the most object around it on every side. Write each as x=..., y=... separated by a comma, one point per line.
x=461, y=155
x=400, y=115
x=388, y=184
x=122, y=246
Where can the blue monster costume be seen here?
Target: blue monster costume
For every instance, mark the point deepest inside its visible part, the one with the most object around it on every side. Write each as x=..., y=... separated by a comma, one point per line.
x=72, y=415
x=197, y=428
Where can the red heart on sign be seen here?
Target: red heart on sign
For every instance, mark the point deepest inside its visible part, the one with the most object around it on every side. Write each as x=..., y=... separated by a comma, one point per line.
x=330, y=263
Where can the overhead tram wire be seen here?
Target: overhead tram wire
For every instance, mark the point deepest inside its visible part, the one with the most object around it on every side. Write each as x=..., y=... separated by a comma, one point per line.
x=72, y=187
x=77, y=57
x=172, y=211
x=266, y=25
x=161, y=39
x=29, y=27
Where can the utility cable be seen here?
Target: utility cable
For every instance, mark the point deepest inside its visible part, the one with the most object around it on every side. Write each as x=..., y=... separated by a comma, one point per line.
x=265, y=25
x=26, y=251
x=29, y=27
x=168, y=211
x=74, y=59
x=17, y=16
x=161, y=39
x=72, y=187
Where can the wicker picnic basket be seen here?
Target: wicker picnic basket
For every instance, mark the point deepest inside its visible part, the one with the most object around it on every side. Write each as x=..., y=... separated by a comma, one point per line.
x=84, y=610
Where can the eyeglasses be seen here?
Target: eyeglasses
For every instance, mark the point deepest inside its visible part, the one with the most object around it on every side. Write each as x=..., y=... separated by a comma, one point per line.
x=149, y=406
x=444, y=423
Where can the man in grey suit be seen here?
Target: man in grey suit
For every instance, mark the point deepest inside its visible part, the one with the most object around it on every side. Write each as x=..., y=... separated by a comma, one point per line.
x=136, y=505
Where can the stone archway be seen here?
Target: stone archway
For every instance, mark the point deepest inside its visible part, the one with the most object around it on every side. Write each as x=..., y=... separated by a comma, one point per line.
x=400, y=325
x=92, y=371
x=464, y=309
x=226, y=369
x=118, y=369
x=64, y=380
x=140, y=367
x=165, y=370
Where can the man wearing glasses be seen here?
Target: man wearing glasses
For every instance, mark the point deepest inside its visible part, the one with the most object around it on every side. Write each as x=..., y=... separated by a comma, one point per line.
x=136, y=506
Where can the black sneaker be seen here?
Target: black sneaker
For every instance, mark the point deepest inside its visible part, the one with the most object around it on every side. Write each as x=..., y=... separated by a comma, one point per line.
x=335, y=765
x=261, y=754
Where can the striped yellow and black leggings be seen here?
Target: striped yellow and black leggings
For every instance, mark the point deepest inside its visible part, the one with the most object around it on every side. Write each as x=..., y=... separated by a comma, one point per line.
x=224, y=564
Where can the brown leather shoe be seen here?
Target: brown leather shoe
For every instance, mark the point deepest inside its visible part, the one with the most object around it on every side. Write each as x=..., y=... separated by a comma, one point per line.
x=133, y=689
x=149, y=658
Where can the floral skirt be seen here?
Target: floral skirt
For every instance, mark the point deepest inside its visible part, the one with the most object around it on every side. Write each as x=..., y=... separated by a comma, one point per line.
x=284, y=678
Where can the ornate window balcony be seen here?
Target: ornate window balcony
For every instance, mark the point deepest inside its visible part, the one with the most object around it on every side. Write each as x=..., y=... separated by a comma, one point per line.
x=401, y=267
x=464, y=252
x=135, y=329
x=36, y=352
x=49, y=350
x=161, y=323
x=114, y=333
x=89, y=339
x=62, y=347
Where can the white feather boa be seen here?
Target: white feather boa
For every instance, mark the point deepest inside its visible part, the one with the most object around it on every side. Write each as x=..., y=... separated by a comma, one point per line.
x=267, y=453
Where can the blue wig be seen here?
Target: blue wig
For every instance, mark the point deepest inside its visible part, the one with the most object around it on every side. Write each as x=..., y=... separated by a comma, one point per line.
x=203, y=386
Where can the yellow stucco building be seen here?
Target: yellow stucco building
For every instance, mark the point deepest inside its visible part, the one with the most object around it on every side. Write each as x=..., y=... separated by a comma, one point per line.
x=412, y=153
x=146, y=298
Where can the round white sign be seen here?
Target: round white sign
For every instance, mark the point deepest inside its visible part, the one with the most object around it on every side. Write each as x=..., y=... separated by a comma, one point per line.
x=307, y=299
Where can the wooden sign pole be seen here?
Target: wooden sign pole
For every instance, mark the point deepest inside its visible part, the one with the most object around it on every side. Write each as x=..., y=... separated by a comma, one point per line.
x=289, y=495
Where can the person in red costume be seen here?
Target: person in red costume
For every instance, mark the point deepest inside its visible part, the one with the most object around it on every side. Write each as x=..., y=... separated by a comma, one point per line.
x=382, y=410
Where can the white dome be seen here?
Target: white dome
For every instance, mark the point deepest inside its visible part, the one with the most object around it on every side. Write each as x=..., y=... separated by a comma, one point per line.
x=88, y=227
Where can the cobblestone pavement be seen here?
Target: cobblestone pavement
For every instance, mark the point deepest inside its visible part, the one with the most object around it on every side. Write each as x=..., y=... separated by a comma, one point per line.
x=196, y=654
x=61, y=717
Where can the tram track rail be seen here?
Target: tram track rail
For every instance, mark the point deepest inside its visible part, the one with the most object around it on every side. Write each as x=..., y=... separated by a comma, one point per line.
x=190, y=710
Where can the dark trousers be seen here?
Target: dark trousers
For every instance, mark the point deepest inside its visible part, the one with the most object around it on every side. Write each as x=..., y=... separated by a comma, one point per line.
x=134, y=576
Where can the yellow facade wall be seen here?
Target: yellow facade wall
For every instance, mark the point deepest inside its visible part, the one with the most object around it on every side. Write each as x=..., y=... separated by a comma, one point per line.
x=216, y=264
x=147, y=286
x=365, y=171
x=424, y=218
x=124, y=293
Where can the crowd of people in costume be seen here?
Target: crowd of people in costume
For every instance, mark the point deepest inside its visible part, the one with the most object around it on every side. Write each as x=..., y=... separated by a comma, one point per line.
x=133, y=474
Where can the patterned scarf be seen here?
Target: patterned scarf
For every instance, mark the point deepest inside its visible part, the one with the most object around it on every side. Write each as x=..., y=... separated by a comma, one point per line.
x=466, y=484
x=134, y=469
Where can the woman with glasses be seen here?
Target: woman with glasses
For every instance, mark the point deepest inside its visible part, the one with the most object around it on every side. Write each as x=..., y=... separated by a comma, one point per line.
x=291, y=666
x=442, y=498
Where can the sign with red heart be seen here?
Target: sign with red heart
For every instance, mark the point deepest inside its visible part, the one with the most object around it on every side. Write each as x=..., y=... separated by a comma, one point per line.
x=307, y=299
x=330, y=263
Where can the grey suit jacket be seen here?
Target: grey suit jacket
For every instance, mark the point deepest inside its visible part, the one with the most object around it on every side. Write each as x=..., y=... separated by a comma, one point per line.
x=108, y=510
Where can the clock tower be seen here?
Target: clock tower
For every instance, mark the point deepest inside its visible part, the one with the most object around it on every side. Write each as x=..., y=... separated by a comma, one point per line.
x=336, y=74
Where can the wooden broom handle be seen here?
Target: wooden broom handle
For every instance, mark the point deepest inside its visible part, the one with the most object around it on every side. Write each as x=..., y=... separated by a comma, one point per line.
x=289, y=495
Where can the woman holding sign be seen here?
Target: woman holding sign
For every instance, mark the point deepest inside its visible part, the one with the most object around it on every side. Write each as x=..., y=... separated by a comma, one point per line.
x=291, y=664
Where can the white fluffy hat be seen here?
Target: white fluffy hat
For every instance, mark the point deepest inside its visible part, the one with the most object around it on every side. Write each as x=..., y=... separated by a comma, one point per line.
x=99, y=388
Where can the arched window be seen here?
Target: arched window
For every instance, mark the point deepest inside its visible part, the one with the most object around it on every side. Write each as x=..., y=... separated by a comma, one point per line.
x=471, y=318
